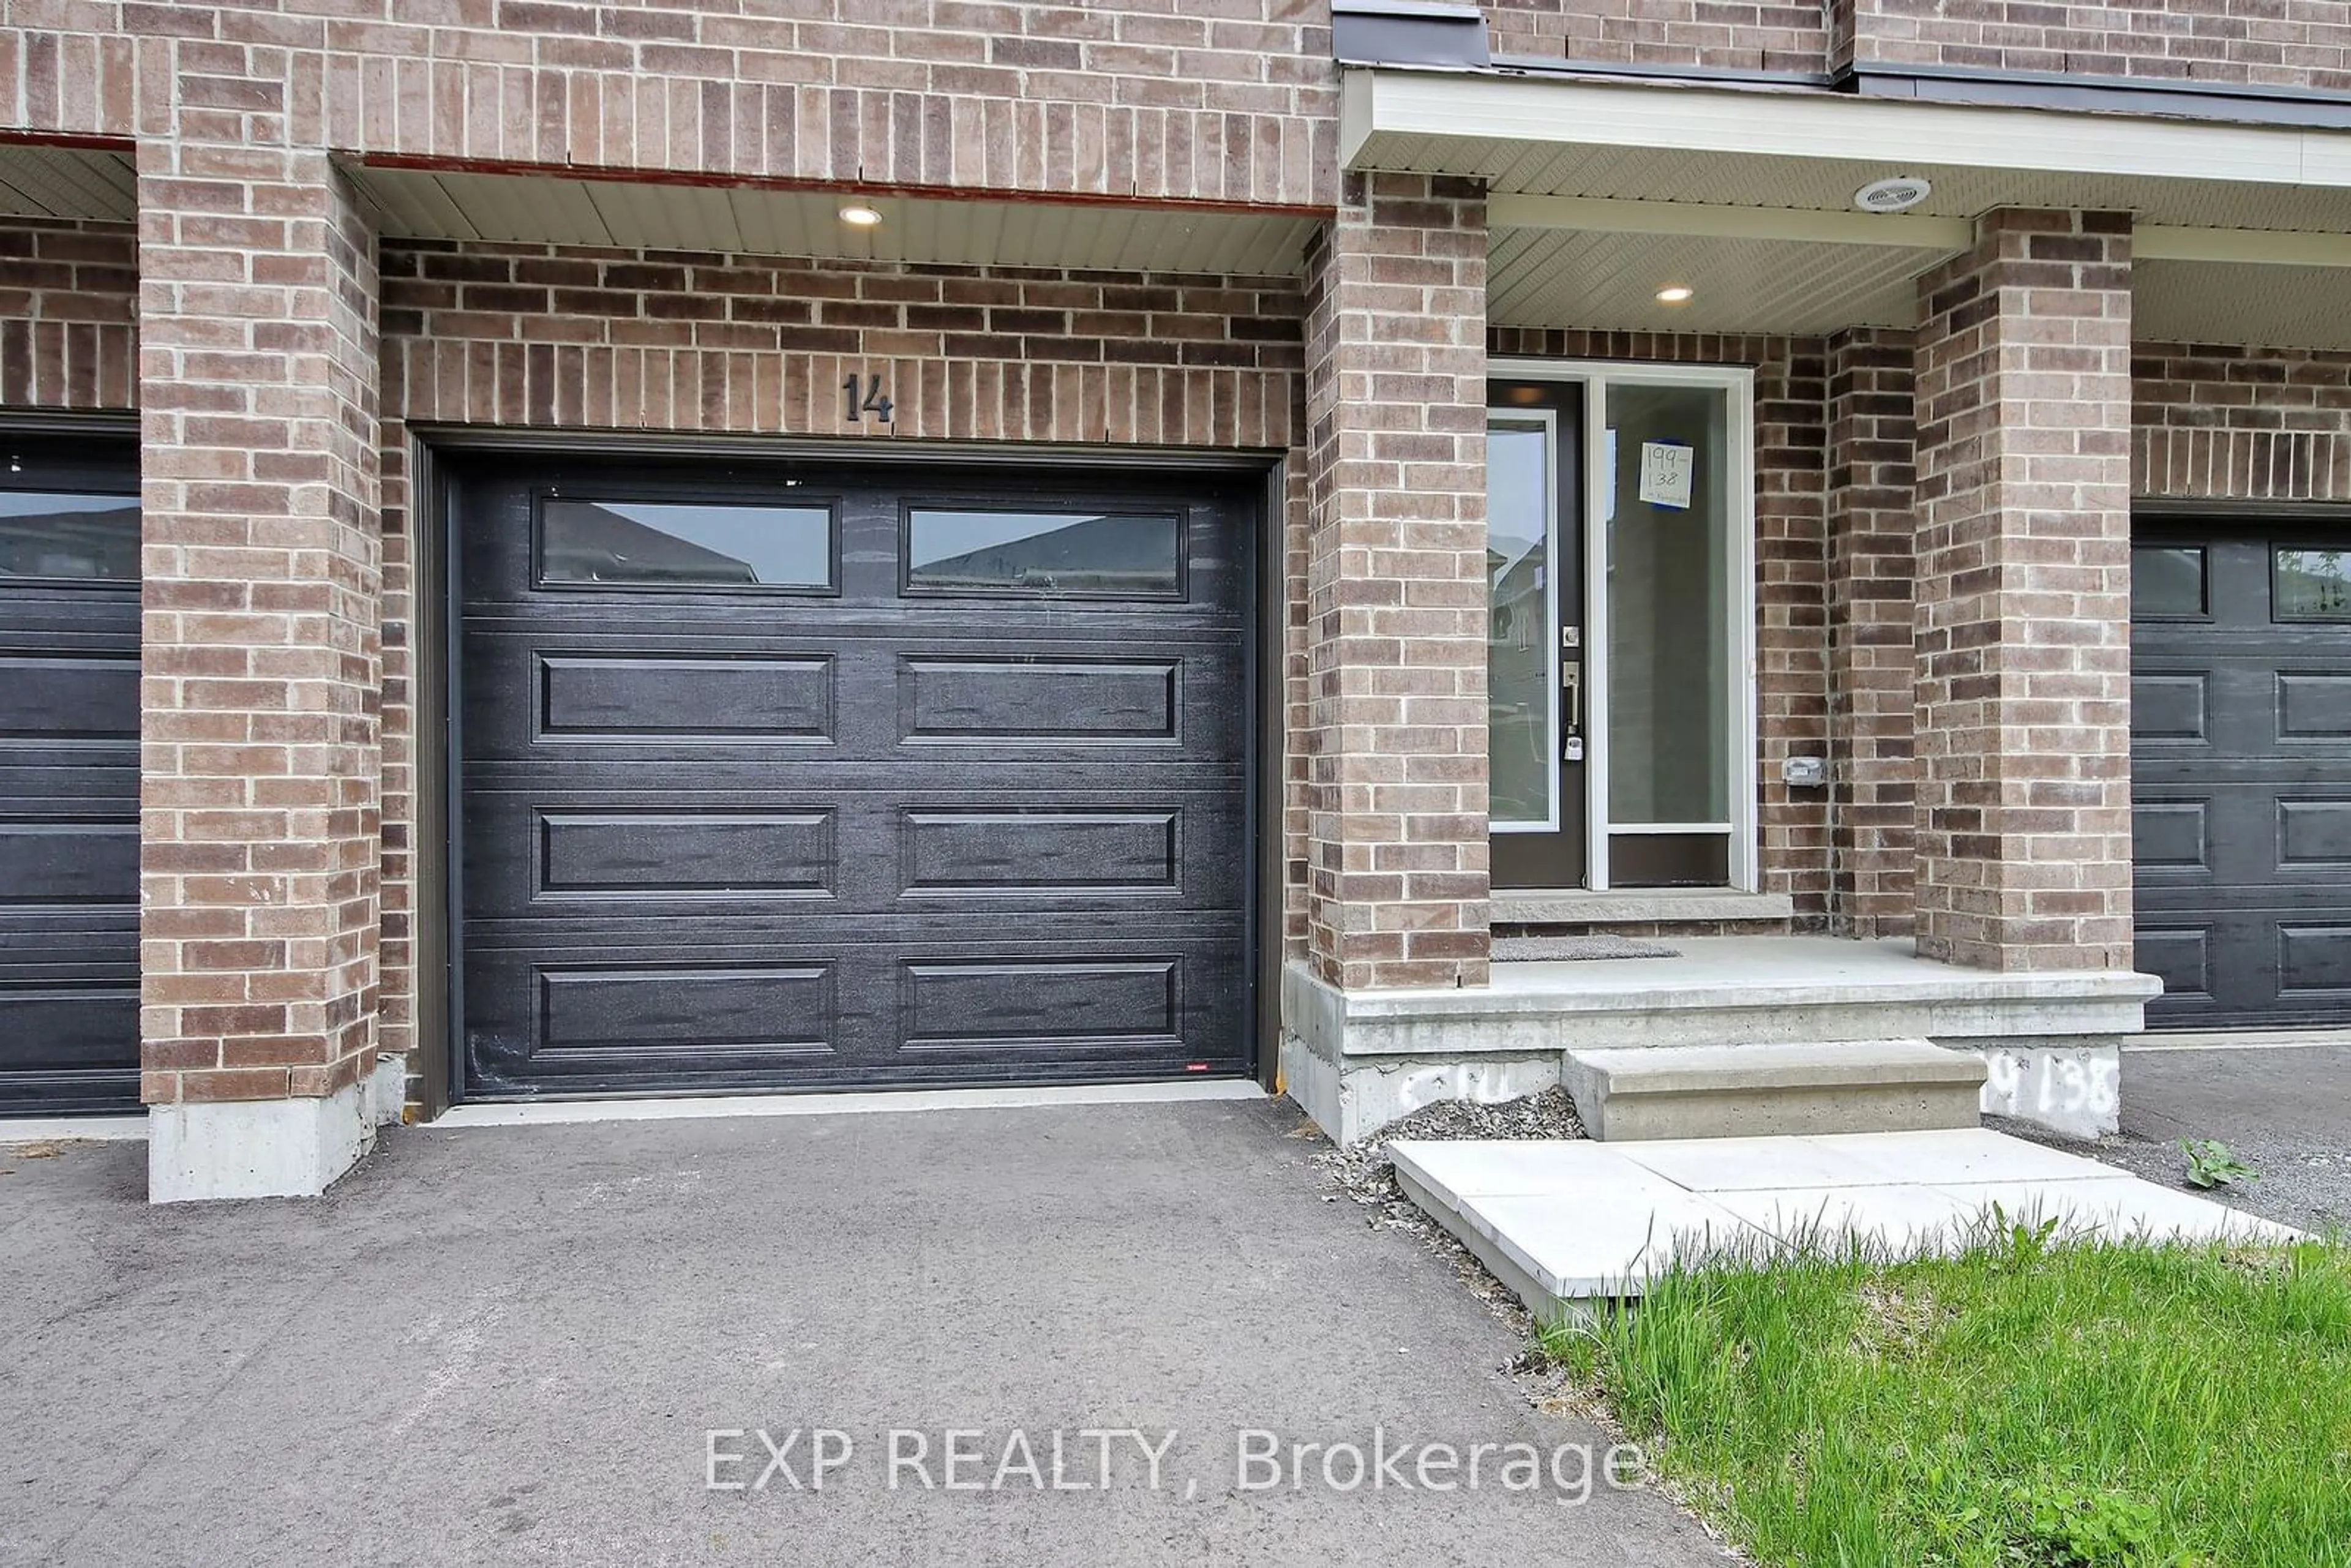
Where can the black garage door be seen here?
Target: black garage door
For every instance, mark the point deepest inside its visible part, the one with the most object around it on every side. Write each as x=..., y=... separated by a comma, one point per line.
x=2241, y=753
x=68, y=777
x=813, y=778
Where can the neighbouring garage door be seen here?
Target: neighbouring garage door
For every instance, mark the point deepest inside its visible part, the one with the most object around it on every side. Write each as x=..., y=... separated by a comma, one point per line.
x=817, y=779
x=68, y=777
x=2241, y=753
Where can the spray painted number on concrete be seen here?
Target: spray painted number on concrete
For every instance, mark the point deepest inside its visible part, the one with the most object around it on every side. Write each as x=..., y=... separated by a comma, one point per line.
x=861, y=397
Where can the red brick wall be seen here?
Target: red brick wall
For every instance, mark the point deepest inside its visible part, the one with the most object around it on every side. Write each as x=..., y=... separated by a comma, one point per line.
x=2024, y=743
x=550, y=337
x=546, y=338
x=1871, y=615
x=68, y=315
x=260, y=678
x=1395, y=740
x=2303, y=45
x=1791, y=392
x=72, y=66
x=1840, y=14
x=2237, y=423
x=1719, y=35
x=1231, y=100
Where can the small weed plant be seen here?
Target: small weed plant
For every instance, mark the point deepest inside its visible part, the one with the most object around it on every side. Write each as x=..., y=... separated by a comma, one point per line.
x=2210, y=1164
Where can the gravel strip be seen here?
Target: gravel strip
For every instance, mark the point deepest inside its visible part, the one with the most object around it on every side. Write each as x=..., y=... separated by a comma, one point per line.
x=1365, y=1175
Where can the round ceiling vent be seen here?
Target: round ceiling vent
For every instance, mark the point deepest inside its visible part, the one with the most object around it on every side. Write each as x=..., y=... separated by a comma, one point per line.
x=1897, y=194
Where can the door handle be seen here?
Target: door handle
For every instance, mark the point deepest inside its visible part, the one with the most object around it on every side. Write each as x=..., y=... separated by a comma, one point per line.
x=1570, y=680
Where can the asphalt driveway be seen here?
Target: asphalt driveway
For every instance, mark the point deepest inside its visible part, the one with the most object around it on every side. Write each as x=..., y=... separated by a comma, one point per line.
x=514, y=1346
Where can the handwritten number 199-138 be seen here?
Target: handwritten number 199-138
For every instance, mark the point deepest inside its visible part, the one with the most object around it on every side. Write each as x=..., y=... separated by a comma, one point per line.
x=861, y=398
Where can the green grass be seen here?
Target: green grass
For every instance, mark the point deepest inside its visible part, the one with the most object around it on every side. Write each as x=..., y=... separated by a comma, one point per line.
x=2091, y=1407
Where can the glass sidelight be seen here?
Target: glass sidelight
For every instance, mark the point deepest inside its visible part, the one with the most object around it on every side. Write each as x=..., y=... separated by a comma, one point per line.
x=1522, y=582
x=1635, y=481
x=1667, y=528
x=1534, y=642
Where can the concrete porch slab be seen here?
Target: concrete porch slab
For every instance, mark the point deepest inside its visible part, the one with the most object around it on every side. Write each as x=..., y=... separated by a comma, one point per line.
x=1773, y=981
x=1356, y=1061
x=1566, y=1224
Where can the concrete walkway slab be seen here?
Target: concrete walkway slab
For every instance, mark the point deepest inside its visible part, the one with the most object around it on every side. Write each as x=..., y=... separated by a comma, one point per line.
x=1566, y=1224
x=1621, y=1228
x=512, y=1346
x=1909, y=1221
x=1966, y=1155
x=2119, y=1206
x=1729, y=1164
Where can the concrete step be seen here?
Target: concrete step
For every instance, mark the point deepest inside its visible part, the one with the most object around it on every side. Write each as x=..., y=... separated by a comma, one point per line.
x=1751, y=1090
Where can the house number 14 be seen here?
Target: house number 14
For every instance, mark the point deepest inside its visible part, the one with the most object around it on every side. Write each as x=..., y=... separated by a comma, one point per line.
x=861, y=397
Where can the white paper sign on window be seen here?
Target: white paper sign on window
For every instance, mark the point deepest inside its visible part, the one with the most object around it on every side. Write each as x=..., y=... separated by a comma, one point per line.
x=1667, y=468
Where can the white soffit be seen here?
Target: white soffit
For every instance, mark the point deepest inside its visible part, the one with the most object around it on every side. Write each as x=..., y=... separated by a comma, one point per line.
x=1553, y=278
x=1574, y=263
x=1101, y=236
x=1795, y=149
x=2241, y=234
x=67, y=182
x=1896, y=231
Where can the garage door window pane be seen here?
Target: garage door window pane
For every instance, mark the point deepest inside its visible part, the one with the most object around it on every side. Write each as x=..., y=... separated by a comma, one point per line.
x=2312, y=585
x=2167, y=581
x=1084, y=554
x=684, y=543
x=75, y=538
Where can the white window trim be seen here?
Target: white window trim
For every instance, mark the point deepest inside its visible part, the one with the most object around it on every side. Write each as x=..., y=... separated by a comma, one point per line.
x=1745, y=752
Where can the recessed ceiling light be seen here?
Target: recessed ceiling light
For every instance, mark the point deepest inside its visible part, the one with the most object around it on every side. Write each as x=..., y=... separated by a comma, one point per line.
x=1675, y=294
x=1897, y=194
x=861, y=217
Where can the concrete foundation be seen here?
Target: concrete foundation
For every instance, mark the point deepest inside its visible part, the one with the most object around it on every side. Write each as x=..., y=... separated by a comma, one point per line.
x=1356, y=1061
x=1353, y=1100
x=387, y=1092
x=2073, y=1087
x=255, y=1148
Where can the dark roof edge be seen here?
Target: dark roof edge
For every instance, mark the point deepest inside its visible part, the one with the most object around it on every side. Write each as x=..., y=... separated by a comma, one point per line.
x=2246, y=104
x=1422, y=35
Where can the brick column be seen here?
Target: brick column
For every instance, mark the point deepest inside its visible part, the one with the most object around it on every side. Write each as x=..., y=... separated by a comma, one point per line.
x=2023, y=622
x=259, y=834
x=1841, y=30
x=1395, y=744
x=1872, y=443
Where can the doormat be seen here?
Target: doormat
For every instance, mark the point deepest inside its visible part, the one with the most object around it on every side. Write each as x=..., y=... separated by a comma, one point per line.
x=1526, y=949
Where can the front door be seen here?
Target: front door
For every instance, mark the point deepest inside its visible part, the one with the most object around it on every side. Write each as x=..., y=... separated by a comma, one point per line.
x=1620, y=638
x=1534, y=661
